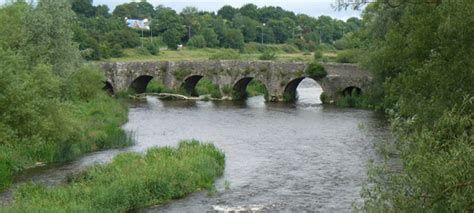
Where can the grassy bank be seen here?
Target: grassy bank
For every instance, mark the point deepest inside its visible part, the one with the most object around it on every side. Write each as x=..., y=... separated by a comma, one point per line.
x=41, y=130
x=129, y=182
x=206, y=54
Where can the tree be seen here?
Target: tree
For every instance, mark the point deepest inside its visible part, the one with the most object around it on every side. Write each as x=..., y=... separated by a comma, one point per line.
x=83, y=7
x=420, y=54
x=276, y=13
x=197, y=41
x=11, y=25
x=134, y=10
x=250, y=10
x=227, y=12
x=102, y=10
x=166, y=18
x=280, y=30
x=172, y=38
x=247, y=25
x=189, y=15
x=234, y=39
x=48, y=36
x=211, y=37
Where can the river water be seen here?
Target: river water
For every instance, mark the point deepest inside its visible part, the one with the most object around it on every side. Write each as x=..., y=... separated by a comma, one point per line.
x=279, y=157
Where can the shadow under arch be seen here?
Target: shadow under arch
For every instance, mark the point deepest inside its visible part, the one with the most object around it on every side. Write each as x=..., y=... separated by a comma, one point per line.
x=290, y=94
x=239, y=90
x=140, y=83
x=352, y=91
x=108, y=87
x=189, y=84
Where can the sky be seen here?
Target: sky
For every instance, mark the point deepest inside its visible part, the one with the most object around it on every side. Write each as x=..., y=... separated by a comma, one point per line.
x=309, y=7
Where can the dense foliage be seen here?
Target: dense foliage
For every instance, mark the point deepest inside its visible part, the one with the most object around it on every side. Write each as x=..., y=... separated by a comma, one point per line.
x=52, y=105
x=129, y=182
x=422, y=55
x=104, y=35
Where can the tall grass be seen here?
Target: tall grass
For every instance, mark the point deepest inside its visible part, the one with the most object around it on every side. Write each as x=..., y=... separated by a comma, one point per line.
x=54, y=130
x=131, y=181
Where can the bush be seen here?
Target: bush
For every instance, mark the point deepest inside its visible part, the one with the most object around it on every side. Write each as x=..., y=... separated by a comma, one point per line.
x=6, y=172
x=325, y=99
x=348, y=56
x=197, y=41
x=143, y=51
x=86, y=83
x=172, y=38
x=318, y=54
x=207, y=87
x=154, y=86
x=315, y=70
x=267, y=56
x=255, y=88
x=131, y=181
x=152, y=48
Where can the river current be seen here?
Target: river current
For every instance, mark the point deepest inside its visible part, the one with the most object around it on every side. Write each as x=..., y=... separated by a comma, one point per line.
x=279, y=157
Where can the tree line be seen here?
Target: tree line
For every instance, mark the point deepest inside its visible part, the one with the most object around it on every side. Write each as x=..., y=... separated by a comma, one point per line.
x=102, y=34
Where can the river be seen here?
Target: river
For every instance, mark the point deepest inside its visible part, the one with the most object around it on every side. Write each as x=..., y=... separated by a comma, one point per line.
x=279, y=157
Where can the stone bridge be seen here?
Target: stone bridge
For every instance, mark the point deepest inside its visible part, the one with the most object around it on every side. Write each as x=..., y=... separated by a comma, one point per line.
x=280, y=78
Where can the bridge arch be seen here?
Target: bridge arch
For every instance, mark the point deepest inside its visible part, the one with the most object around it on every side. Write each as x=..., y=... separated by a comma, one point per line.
x=290, y=92
x=239, y=89
x=108, y=87
x=351, y=90
x=140, y=83
x=189, y=84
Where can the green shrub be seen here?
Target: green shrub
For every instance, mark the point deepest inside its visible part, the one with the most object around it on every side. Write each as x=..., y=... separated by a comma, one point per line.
x=131, y=181
x=143, y=51
x=227, y=90
x=180, y=74
x=288, y=48
x=315, y=70
x=255, y=88
x=86, y=83
x=154, y=86
x=325, y=99
x=353, y=101
x=347, y=56
x=287, y=97
x=197, y=41
x=318, y=54
x=6, y=172
x=267, y=56
x=152, y=48
x=207, y=87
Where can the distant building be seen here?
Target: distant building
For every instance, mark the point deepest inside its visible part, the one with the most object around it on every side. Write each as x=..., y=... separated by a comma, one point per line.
x=138, y=24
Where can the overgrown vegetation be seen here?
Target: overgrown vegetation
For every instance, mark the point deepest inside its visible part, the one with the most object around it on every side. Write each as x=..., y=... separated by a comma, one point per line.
x=315, y=70
x=129, y=182
x=422, y=56
x=53, y=107
x=255, y=88
x=207, y=87
x=267, y=56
